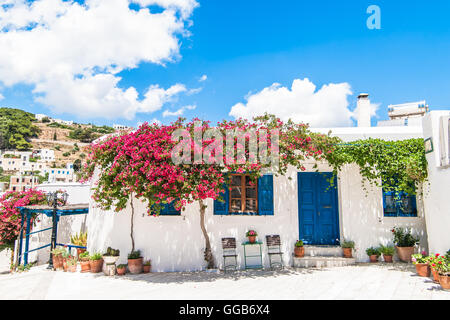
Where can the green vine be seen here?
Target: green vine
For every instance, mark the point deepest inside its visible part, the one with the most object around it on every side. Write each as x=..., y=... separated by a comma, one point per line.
x=392, y=165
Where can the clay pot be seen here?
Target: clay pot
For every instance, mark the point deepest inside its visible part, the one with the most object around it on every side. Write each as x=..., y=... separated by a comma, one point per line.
x=85, y=265
x=252, y=239
x=65, y=264
x=299, y=252
x=72, y=268
x=96, y=265
x=423, y=269
x=404, y=253
x=80, y=251
x=373, y=258
x=121, y=271
x=60, y=262
x=57, y=262
x=435, y=275
x=347, y=252
x=135, y=265
x=387, y=259
x=444, y=280
x=147, y=269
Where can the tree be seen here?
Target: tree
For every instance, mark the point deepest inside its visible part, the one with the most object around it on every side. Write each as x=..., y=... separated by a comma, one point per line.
x=16, y=129
x=140, y=164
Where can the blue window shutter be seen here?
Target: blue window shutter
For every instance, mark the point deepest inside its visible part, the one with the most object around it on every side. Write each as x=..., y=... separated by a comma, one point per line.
x=169, y=210
x=265, y=195
x=221, y=208
x=414, y=206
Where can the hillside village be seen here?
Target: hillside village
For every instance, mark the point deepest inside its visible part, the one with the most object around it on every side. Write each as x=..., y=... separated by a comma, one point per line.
x=38, y=149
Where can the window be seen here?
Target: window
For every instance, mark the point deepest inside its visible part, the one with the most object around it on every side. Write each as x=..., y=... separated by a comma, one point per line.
x=169, y=210
x=243, y=195
x=399, y=205
x=240, y=197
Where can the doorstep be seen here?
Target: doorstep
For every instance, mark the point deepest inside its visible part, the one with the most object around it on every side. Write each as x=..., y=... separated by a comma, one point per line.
x=323, y=262
x=323, y=251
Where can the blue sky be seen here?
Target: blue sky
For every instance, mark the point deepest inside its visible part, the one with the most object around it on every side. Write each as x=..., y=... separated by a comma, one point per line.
x=245, y=46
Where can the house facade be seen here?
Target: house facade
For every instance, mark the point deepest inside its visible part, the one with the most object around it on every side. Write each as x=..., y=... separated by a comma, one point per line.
x=299, y=205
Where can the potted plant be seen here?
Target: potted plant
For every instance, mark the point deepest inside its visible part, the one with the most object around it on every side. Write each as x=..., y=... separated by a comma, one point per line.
x=79, y=240
x=420, y=260
x=347, y=247
x=373, y=254
x=111, y=255
x=251, y=235
x=57, y=258
x=388, y=253
x=404, y=243
x=85, y=262
x=299, y=250
x=135, y=262
x=71, y=264
x=121, y=269
x=444, y=274
x=147, y=266
x=434, y=263
x=65, y=255
x=96, y=262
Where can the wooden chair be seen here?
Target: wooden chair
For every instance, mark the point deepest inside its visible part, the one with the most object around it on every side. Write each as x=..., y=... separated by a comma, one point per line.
x=229, y=252
x=273, y=250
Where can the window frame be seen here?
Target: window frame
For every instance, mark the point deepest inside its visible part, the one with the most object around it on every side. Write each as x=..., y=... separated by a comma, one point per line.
x=243, y=197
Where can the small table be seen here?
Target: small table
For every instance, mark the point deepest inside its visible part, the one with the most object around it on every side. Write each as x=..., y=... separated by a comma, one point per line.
x=256, y=266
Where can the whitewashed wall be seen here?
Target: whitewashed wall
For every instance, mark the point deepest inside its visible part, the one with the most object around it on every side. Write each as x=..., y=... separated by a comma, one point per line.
x=5, y=260
x=437, y=190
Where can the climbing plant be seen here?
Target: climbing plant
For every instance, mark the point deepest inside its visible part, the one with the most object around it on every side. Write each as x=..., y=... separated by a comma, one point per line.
x=393, y=165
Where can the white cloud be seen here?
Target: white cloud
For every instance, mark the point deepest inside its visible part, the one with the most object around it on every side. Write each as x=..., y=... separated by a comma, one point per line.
x=179, y=112
x=326, y=107
x=203, y=78
x=2, y=97
x=72, y=53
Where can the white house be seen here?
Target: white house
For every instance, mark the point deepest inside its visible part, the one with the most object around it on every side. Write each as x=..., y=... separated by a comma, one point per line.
x=66, y=175
x=296, y=206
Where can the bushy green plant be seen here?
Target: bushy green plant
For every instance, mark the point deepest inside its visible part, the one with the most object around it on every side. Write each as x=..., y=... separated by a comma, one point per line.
x=373, y=251
x=121, y=266
x=96, y=256
x=404, y=238
x=299, y=243
x=147, y=262
x=110, y=252
x=420, y=258
x=387, y=250
x=134, y=254
x=84, y=255
x=348, y=244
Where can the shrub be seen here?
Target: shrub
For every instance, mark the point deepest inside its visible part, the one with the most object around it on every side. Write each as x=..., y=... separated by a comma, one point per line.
x=299, y=243
x=404, y=238
x=373, y=251
x=348, y=244
x=66, y=154
x=387, y=250
x=134, y=254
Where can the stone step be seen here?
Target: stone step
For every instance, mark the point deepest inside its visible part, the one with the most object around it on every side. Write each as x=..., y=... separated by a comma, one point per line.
x=323, y=251
x=323, y=262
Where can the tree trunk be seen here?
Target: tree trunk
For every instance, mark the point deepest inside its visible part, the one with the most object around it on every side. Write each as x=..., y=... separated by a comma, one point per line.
x=132, y=223
x=208, y=253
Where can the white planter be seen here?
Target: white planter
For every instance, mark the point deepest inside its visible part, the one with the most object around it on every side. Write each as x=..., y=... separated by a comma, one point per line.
x=110, y=259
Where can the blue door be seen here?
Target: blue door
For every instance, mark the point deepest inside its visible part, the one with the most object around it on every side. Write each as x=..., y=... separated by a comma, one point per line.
x=318, y=213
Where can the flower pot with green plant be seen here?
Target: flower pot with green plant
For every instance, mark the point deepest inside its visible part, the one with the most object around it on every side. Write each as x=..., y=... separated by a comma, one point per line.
x=72, y=264
x=404, y=243
x=251, y=235
x=79, y=240
x=135, y=262
x=84, y=262
x=373, y=254
x=65, y=255
x=57, y=258
x=421, y=261
x=147, y=266
x=121, y=269
x=434, y=265
x=299, y=249
x=388, y=253
x=96, y=262
x=111, y=256
x=347, y=248
x=443, y=269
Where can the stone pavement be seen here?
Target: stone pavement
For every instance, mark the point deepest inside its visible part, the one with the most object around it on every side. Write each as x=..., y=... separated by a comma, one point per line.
x=363, y=281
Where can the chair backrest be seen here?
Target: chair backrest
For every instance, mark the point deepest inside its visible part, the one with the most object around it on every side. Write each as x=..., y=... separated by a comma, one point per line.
x=228, y=243
x=273, y=240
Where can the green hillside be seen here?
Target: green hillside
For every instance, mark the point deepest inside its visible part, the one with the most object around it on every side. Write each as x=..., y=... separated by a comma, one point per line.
x=16, y=128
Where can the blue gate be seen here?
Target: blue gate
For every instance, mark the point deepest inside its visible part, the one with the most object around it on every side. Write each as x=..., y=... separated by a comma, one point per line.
x=318, y=213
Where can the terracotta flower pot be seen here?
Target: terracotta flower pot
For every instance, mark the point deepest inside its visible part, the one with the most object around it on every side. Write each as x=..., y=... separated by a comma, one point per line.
x=147, y=269
x=252, y=239
x=85, y=266
x=64, y=264
x=404, y=253
x=57, y=262
x=435, y=275
x=373, y=258
x=121, y=271
x=135, y=265
x=347, y=252
x=444, y=280
x=299, y=252
x=423, y=269
x=96, y=265
x=72, y=268
x=60, y=262
x=387, y=259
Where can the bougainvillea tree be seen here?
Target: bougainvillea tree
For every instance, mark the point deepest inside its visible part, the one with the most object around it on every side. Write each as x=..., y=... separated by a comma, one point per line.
x=143, y=164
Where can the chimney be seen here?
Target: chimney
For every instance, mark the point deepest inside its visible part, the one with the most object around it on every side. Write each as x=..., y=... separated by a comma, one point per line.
x=363, y=110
